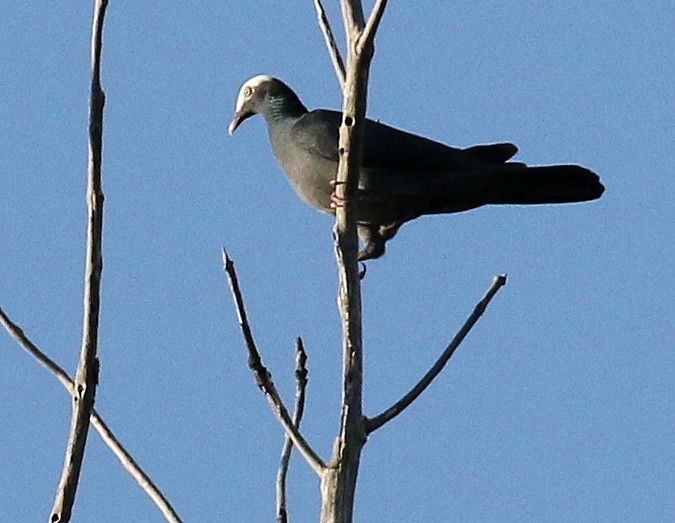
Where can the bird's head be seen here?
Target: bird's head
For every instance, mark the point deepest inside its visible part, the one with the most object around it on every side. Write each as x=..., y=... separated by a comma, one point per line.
x=263, y=94
x=250, y=98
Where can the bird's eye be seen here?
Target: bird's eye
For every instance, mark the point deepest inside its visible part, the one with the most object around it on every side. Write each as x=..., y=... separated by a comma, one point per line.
x=248, y=91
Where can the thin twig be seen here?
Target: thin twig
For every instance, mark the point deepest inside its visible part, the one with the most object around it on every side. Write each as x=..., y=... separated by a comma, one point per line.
x=298, y=410
x=263, y=377
x=333, y=51
x=17, y=333
x=86, y=376
x=376, y=422
x=97, y=422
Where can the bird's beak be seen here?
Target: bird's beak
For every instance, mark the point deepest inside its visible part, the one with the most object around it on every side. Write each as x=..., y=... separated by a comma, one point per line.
x=236, y=120
x=239, y=116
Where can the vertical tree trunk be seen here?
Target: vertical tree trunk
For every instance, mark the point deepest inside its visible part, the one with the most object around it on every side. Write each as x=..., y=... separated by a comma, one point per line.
x=338, y=484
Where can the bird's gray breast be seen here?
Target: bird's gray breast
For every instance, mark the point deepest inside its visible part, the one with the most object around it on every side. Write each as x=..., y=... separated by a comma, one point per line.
x=309, y=174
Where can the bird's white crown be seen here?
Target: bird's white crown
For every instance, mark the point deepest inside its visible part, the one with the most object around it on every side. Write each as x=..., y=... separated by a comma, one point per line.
x=248, y=88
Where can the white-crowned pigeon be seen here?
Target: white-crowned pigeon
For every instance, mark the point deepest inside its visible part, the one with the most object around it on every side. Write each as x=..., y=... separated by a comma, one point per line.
x=403, y=176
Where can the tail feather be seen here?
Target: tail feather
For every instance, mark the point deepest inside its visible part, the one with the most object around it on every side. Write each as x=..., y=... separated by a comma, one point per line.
x=551, y=184
x=494, y=152
x=510, y=184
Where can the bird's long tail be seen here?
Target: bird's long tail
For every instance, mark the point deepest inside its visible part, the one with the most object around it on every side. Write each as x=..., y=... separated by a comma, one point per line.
x=552, y=184
x=509, y=184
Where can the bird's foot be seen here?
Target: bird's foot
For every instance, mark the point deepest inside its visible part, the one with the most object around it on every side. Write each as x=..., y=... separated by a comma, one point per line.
x=335, y=200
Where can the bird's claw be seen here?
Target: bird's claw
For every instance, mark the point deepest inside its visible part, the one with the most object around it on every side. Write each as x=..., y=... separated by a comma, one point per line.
x=362, y=272
x=335, y=200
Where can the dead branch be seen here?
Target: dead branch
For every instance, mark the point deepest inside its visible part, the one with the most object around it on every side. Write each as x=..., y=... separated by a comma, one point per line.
x=263, y=378
x=368, y=36
x=338, y=485
x=378, y=421
x=86, y=376
x=328, y=37
x=298, y=410
x=97, y=422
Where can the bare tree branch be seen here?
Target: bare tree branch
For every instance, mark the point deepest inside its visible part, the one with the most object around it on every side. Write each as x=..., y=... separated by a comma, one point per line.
x=367, y=37
x=86, y=376
x=378, y=421
x=338, y=485
x=298, y=410
x=352, y=19
x=97, y=422
x=17, y=333
x=130, y=465
x=263, y=377
x=328, y=37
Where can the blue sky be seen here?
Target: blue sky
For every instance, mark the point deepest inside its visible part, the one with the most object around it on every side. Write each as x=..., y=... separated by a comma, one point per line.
x=559, y=405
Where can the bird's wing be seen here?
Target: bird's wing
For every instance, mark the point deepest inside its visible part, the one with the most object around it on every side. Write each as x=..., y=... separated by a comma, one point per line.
x=388, y=148
x=317, y=132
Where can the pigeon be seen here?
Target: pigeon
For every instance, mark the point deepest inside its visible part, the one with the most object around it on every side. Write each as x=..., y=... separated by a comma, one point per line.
x=402, y=176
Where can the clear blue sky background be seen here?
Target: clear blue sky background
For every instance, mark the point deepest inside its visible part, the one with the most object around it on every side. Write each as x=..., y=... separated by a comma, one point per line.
x=558, y=407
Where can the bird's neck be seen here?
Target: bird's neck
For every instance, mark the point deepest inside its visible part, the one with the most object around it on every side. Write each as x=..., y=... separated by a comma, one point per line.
x=284, y=106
